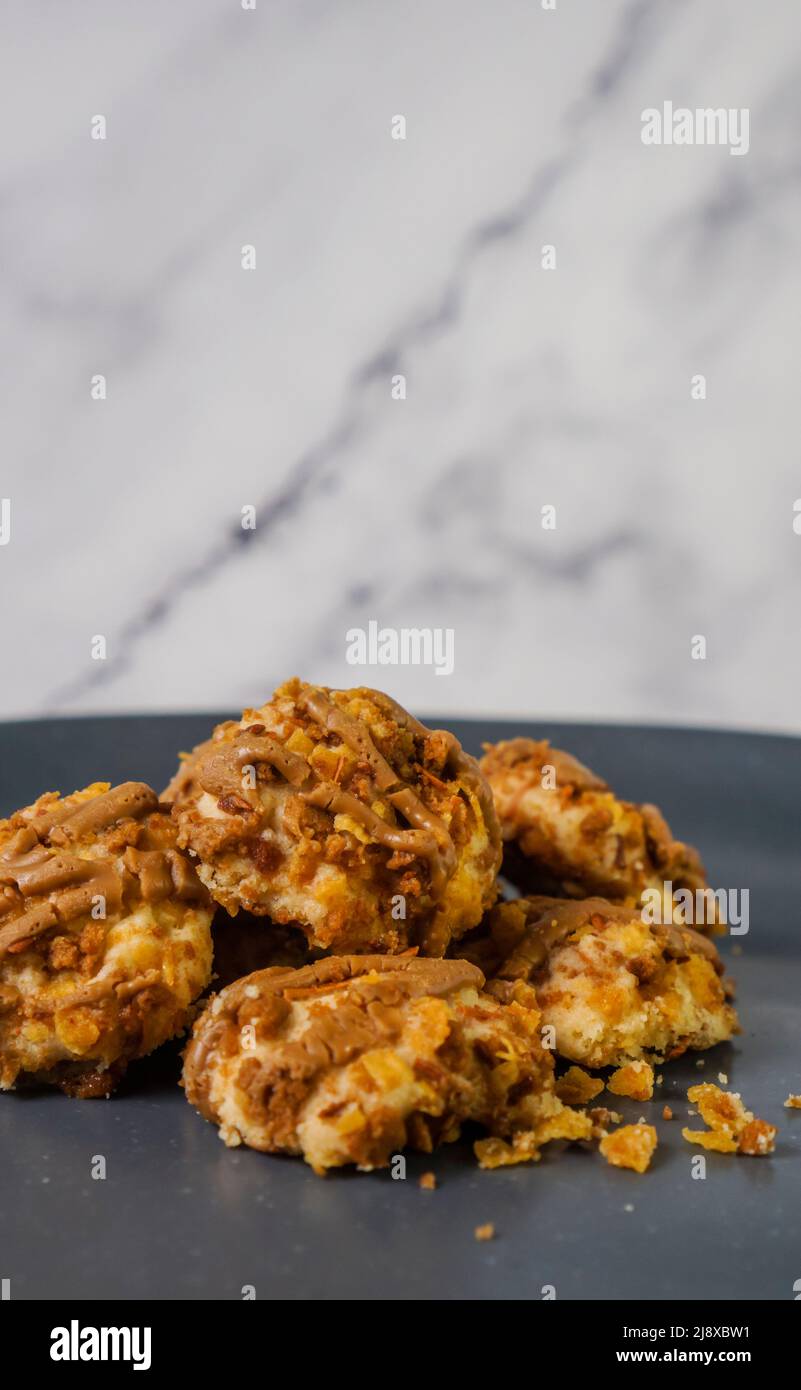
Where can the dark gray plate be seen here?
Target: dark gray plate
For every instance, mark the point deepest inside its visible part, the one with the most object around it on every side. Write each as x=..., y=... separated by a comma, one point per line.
x=179, y=1216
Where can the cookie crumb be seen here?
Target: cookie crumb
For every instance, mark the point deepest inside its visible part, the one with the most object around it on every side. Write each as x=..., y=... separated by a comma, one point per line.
x=793, y=1103
x=576, y=1087
x=600, y=1115
x=630, y=1147
x=485, y=1232
x=635, y=1079
x=601, y=1118
x=710, y=1139
x=524, y=1146
x=732, y=1128
x=667, y=1113
x=428, y=1181
x=700, y=1062
x=723, y=1078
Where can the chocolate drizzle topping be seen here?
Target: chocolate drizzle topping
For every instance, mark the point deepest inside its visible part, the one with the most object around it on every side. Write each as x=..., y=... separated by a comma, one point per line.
x=534, y=927
x=219, y=772
x=39, y=862
x=416, y=975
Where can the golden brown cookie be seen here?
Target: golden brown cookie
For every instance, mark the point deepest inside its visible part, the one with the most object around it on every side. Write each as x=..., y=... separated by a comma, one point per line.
x=337, y=811
x=613, y=987
x=566, y=833
x=104, y=936
x=353, y=1058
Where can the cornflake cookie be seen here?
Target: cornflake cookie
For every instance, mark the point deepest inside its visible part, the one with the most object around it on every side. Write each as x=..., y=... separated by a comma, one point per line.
x=338, y=811
x=614, y=988
x=566, y=833
x=104, y=937
x=732, y=1128
x=353, y=1058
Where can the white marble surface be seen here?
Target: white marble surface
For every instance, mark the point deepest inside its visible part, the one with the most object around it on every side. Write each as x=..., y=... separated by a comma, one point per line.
x=374, y=256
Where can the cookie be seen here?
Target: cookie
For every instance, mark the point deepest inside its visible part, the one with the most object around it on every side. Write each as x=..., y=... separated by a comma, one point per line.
x=613, y=987
x=566, y=833
x=104, y=936
x=338, y=812
x=351, y=1059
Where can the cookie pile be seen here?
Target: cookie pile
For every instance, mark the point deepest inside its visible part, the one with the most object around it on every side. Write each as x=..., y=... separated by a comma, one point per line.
x=375, y=992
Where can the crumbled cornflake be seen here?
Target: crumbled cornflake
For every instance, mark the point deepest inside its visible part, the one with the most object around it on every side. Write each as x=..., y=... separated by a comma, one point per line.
x=710, y=1139
x=352, y=1120
x=497, y=1153
x=635, y=1079
x=721, y=1110
x=485, y=1232
x=428, y=1181
x=524, y=1147
x=758, y=1138
x=732, y=1128
x=567, y=1124
x=576, y=1087
x=601, y=1119
x=298, y=742
x=630, y=1147
x=386, y=1068
x=793, y=1103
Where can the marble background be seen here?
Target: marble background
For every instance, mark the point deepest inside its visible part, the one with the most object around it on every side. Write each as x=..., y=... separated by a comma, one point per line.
x=374, y=257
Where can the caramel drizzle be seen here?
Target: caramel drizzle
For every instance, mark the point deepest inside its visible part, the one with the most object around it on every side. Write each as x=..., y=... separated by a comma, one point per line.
x=461, y=764
x=416, y=974
x=554, y=926
x=680, y=942
x=540, y=939
x=219, y=773
x=96, y=990
x=72, y=884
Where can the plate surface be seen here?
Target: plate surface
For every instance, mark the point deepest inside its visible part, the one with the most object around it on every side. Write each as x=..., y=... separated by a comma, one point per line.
x=180, y=1216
